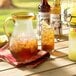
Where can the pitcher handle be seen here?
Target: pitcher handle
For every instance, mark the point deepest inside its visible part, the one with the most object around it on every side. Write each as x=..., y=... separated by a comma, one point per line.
x=8, y=34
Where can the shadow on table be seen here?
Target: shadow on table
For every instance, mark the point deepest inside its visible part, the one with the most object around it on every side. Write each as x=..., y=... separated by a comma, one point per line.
x=61, y=38
x=51, y=67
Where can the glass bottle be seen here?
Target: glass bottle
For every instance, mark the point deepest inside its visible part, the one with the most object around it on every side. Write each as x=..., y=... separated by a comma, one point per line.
x=56, y=17
x=72, y=33
x=43, y=14
x=72, y=42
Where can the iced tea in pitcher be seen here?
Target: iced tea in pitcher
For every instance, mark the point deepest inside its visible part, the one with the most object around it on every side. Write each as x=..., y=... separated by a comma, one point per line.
x=22, y=43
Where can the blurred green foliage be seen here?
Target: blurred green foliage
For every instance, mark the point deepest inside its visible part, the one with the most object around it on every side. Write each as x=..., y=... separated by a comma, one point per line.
x=23, y=5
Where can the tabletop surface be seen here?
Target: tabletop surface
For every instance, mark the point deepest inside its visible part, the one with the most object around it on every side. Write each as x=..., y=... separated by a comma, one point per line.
x=57, y=65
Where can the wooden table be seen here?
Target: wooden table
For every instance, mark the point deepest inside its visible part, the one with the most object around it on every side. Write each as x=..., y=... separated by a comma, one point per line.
x=57, y=65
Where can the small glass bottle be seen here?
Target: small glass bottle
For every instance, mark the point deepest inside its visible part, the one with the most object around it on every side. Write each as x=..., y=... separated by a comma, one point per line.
x=56, y=17
x=72, y=42
x=43, y=14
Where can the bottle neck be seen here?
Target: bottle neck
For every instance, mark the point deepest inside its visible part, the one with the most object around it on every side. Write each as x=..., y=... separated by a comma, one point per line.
x=44, y=6
x=44, y=2
x=56, y=2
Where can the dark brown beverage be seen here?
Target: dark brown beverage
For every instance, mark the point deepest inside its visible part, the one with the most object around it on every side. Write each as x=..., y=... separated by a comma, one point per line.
x=44, y=6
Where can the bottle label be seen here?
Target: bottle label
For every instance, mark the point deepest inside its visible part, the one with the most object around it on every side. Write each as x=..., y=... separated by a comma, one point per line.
x=45, y=17
x=56, y=23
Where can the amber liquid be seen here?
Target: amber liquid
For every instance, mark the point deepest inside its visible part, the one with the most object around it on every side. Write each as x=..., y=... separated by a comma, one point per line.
x=56, y=9
x=47, y=38
x=24, y=50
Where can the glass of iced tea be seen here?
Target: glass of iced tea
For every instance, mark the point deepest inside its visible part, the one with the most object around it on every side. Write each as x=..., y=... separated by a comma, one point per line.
x=47, y=37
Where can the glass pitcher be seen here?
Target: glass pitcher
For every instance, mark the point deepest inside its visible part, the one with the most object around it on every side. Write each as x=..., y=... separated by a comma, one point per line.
x=22, y=42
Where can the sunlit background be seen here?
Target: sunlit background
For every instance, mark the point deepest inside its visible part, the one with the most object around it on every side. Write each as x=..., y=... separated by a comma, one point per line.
x=27, y=5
